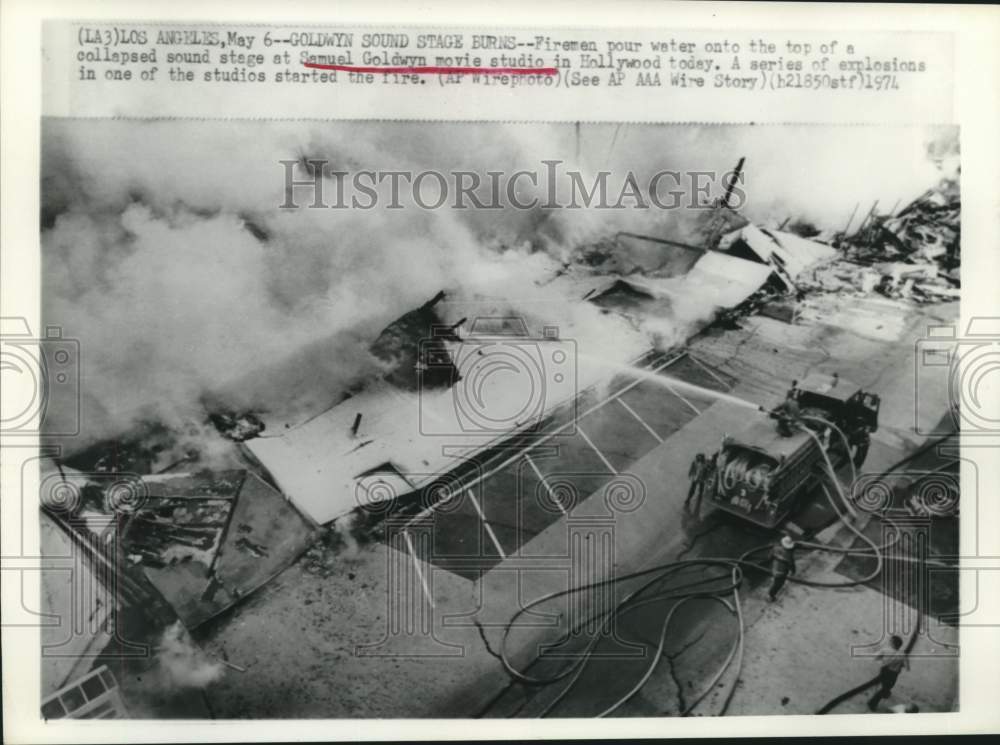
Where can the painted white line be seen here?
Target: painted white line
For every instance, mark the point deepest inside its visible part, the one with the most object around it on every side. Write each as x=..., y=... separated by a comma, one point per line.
x=549, y=435
x=579, y=431
x=693, y=408
x=489, y=529
x=707, y=369
x=639, y=419
x=545, y=483
x=416, y=565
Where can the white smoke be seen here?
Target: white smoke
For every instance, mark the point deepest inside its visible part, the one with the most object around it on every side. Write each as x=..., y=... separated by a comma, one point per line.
x=183, y=664
x=345, y=527
x=166, y=254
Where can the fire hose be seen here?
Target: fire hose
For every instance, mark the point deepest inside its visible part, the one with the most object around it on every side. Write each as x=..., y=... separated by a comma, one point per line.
x=740, y=469
x=630, y=602
x=704, y=589
x=841, y=698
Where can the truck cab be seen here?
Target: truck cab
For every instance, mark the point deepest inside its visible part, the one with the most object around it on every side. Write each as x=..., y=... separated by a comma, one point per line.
x=838, y=400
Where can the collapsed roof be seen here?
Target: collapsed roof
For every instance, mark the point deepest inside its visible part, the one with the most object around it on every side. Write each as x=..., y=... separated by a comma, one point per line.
x=399, y=432
x=203, y=540
x=389, y=439
x=788, y=253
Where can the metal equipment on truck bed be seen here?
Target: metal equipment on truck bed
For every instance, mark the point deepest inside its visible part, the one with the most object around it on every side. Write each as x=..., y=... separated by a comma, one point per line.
x=762, y=472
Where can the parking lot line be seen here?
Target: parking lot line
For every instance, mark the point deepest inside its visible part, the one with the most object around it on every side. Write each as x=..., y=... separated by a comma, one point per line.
x=489, y=530
x=693, y=408
x=707, y=369
x=545, y=483
x=579, y=431
x=639, y=419
x=416, y=565
x=548, y=436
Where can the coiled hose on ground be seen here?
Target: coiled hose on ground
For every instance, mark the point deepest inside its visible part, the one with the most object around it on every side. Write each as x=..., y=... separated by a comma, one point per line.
x=703, y=589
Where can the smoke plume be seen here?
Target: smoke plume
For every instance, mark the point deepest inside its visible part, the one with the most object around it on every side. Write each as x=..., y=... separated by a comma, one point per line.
x=166, y=254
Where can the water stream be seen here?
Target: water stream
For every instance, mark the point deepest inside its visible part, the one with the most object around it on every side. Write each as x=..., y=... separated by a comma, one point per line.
x=669, y=382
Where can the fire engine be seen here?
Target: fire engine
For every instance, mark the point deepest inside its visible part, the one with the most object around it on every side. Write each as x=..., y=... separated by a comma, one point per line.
x=762, y=472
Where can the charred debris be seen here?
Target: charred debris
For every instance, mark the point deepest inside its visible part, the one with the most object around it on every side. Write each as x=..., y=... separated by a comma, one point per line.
x=909, y=254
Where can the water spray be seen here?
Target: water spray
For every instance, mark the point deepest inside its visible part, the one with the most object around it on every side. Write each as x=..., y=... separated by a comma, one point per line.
x=670, y=382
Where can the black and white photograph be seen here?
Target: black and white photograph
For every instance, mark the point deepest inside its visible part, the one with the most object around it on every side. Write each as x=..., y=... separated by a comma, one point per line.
x=426, y=419
x=451, y=372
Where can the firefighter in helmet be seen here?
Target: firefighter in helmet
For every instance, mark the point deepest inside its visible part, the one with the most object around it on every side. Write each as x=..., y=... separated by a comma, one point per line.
x=782, y=564
x=788, y=413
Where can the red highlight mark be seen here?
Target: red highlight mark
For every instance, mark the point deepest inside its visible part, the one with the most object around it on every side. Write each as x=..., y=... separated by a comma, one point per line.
x=438, y=70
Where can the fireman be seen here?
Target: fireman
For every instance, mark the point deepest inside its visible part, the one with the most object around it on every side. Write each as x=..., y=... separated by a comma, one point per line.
x=782, y=564
x=711, y=474
x=696, y=474
x=788, y=415
x=892, y=659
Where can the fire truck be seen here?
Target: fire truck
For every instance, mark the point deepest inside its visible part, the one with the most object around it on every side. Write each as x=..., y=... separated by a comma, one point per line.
x=764, y=470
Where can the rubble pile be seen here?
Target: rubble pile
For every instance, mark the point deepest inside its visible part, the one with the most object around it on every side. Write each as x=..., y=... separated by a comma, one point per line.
x=922, y=282
x=928, y=229
x=912, y=255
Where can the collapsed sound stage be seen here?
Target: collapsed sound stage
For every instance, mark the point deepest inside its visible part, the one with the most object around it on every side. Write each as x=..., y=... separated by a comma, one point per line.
x=457, y=520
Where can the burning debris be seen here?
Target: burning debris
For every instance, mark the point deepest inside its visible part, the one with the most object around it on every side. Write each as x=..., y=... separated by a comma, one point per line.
x=413, y=349
x=154, y=446
x=237, y=427
x=145, y=448
x=174, y=526
x=201, y=540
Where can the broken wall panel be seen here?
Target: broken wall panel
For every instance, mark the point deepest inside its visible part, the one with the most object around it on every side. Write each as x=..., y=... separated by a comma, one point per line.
x=203, y=553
